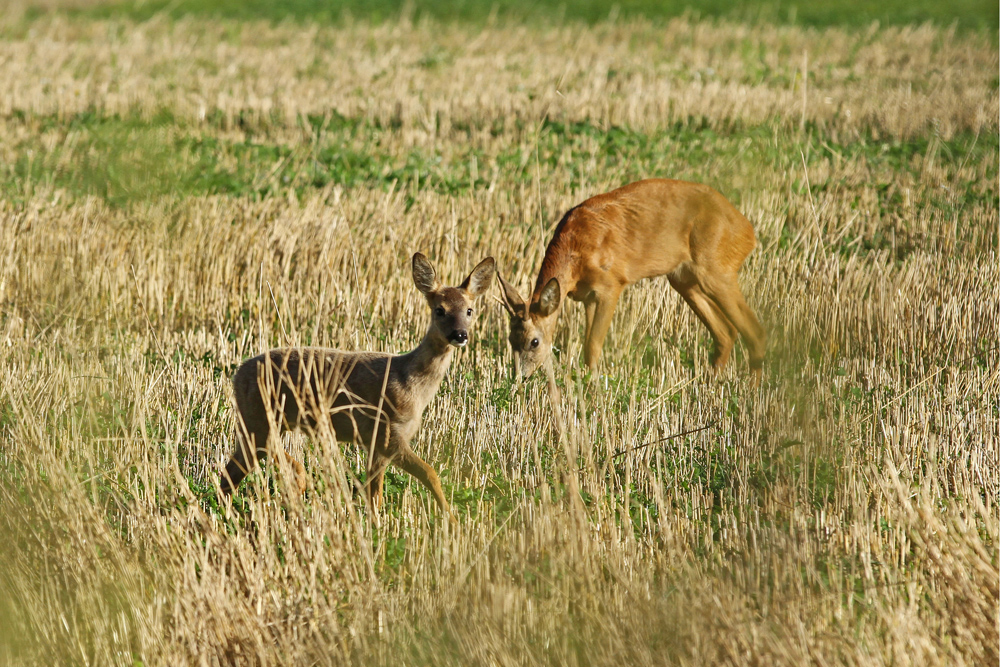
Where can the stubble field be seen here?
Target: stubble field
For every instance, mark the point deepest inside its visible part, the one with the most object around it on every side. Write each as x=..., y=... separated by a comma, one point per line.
x=177, y=195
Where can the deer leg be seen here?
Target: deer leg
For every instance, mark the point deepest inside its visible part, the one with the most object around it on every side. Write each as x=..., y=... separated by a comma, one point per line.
x=604, y=308
x=251, y=438
x=376, y=475
x=413, y=464
x=589, y=306
x=297, y=467
x=730, y=299
x=722, y=330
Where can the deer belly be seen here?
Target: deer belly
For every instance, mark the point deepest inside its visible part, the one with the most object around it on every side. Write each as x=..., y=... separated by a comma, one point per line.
x=358, y=424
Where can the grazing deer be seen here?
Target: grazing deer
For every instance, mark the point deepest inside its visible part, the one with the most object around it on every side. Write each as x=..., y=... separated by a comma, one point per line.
x=686, y=231
x=371, y=397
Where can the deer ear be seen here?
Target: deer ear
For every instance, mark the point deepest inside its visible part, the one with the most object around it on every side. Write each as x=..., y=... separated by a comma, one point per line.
x=512, y=301
x=548, y=300
x=423, y=274
x=480, y=278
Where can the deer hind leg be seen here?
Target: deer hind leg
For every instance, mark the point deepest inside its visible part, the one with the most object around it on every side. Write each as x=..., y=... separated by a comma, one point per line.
x=729, y=298
x=297, y=468
x=251, y=438
x=253, y=434
x=241, y=463
x=413, y=464
x=722, y=330
x=604, y=308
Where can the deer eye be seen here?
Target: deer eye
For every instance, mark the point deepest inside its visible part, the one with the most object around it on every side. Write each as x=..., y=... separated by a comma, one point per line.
x=439, y=311
x=468, y=312
x=534, y=343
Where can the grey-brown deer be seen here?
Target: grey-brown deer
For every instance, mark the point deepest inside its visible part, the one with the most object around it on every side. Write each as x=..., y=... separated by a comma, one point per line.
x=686, y=231
x=372, y=398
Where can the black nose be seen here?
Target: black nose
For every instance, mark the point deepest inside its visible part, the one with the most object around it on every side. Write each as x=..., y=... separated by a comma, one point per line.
x=459, y=336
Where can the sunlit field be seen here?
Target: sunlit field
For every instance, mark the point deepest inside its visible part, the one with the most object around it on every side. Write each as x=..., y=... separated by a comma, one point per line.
x=181, y=191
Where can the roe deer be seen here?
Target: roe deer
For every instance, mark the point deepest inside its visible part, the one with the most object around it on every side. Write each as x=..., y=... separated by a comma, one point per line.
x=686, y=231
x=372, y=397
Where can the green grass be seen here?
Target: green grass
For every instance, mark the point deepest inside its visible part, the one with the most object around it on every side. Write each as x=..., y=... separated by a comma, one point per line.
x=129, y=160
x=975, y=14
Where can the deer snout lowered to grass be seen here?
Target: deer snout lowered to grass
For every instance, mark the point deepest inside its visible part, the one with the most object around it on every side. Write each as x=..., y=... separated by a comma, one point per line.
x=372, y=398
x=685, y=231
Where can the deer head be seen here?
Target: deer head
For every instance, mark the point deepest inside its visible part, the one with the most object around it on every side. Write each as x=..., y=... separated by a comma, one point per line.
x=531, y=325
x=452, y=307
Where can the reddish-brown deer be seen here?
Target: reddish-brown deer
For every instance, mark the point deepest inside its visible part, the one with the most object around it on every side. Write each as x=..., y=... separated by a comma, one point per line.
x=685, y=231
x=372, y=398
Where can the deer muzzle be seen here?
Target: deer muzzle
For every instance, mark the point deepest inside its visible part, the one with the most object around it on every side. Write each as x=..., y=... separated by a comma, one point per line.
x=515, y=367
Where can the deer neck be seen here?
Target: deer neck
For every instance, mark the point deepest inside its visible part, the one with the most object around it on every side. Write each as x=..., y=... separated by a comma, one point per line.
x=560, y=263
x=424, y=367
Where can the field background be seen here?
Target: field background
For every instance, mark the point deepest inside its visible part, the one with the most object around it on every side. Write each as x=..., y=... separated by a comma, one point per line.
x=185, y=184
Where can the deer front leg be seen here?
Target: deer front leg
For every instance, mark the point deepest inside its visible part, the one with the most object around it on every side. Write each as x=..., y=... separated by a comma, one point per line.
x=589, y=306
x=376, y=475
x=603, y=310
x=413, y=464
